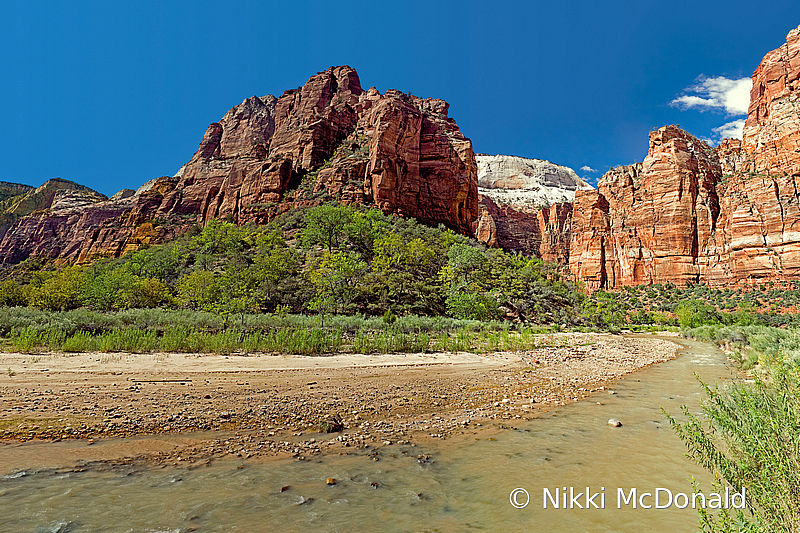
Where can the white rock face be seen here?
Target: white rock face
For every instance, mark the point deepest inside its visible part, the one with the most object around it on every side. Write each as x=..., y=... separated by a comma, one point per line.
x=525, y=182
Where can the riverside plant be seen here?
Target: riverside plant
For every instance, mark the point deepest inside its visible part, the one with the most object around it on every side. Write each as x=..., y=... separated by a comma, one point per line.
x=749, y=439
x=312, y=340
x=749, y=432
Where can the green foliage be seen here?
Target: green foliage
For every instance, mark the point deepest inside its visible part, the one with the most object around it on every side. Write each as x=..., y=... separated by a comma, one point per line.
x=328, y=259
x=57, y=291
x=363, y=228
x=12, y=294
x=335, y=277
x=403, y=275
x=749, y=438
x=312, y=341
x=389, y=318
x=325, y=225
x=110, y=287
x=472, y=306
x=199, y=290
x=693, y=313
x=390, y=341
x=604, y=309
x=748, y=435
x=25, y=340
x=468, y=273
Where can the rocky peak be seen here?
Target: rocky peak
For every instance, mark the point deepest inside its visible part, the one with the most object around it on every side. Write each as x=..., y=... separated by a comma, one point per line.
x=772, y=130
x=526, y=183
x=44, y=196
x=525, y=205
x=247, y=127
x=328, y=140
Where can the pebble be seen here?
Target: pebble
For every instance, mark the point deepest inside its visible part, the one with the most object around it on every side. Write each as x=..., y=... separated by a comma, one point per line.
x=378, y=414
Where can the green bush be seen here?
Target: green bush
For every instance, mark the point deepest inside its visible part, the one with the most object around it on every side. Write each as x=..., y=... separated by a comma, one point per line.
x=694, y=313
x=749, y=438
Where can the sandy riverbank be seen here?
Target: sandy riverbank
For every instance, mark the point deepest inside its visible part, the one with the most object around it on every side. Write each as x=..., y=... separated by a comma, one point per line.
x=173, y=408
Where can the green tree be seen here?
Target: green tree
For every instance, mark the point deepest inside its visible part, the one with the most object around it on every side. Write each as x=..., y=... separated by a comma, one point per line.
x=605, y=309
x=110, y=287
x=335, y=277
x=12, y=294
x=276, y=271
x=166, y=262
x=326, y=225
x=467, y=274
x=403, y=275
x=220, y=243
x=57, y=291
x=199, y=290
x=364, y=228
x=694, y=313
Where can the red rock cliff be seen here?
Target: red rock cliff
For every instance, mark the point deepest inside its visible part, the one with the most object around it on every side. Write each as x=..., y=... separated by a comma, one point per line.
x=327, y=140
x=690, y=212
x=543, y=232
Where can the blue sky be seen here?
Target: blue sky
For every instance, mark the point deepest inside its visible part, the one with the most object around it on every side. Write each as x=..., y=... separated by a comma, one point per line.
x=112, y=94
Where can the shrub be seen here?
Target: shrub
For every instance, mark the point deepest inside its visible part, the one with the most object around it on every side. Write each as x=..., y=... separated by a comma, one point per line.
x=694, y=313
x=750, y=440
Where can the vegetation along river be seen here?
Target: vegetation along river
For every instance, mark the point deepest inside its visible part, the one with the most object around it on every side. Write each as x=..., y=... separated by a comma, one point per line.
x=460, y=484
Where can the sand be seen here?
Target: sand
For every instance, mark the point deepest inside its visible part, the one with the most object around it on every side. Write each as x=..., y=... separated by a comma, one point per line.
x=59, y=410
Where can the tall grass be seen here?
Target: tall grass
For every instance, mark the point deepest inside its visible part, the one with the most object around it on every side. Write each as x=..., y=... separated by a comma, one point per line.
x=179, y=339
x=161, y=320
x=152, y=330
x=304, y=341
x=390, y=341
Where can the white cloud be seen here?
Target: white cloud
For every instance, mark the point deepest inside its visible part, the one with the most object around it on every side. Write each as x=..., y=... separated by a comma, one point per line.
x=731, y=130
x=717, y=93
x=587, y=168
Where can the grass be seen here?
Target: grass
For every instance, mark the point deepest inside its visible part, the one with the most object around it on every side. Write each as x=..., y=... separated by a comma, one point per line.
x=179, y=339
x=294, y=339
x=31, y=330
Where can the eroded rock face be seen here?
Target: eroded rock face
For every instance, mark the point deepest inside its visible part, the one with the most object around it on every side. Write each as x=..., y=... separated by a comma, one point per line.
x=650, y=222
x=772, y=129
x=689, y=212
x=526, y=205
x=544, y=232
x=327, y=140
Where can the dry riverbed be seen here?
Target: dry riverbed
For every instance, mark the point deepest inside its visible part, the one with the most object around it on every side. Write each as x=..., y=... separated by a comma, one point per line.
x=185, y=408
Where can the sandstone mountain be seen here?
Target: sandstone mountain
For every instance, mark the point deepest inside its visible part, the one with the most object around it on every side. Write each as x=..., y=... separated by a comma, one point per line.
x=522, y=182
x=526, y=205
x=690, y=212
x=326, y=140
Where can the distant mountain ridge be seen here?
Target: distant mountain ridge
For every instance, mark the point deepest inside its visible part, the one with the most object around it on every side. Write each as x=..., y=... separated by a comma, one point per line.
x=519, y=181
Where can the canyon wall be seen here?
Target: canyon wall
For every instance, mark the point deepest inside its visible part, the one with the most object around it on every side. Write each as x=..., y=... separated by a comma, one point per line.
x=526, y=205
x=692, y=212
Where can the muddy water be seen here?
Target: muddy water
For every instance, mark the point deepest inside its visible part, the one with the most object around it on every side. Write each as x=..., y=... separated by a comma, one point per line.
x=464, y=487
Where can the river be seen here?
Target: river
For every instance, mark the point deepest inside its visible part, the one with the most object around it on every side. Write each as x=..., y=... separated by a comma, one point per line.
x=461, y=484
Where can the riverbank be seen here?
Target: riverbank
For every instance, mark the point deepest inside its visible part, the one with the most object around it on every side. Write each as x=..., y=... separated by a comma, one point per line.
x=184, y=408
